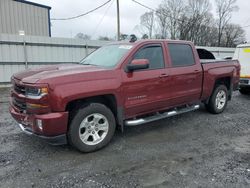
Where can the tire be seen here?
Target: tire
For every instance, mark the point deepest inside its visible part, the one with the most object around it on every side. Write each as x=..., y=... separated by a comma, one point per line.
x=244, y=91
x=92, y=127
x=218, y=100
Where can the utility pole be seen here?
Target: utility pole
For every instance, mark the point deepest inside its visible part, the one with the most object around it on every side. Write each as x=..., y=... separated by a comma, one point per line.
x=118, y=20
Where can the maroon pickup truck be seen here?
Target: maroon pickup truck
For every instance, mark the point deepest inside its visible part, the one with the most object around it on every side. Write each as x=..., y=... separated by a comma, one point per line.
x=121, y=84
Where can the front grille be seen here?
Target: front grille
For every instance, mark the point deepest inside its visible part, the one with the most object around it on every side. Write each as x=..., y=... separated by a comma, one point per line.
x=244, y=81
x=21, y=105
x=17, y=100
x=19, y=89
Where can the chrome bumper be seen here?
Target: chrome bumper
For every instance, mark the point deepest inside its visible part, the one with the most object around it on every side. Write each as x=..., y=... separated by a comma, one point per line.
x=25, y=130
x=55, y=140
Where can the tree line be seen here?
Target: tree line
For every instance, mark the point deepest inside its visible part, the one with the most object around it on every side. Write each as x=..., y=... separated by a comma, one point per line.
x=193, y=20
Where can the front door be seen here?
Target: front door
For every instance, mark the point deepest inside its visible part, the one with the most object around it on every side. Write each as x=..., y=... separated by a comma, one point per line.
x=144, y=90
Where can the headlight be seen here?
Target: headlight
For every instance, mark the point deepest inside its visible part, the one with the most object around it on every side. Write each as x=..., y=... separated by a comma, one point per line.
x=33, y=92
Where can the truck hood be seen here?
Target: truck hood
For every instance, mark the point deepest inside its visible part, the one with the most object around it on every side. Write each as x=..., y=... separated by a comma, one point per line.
x=47, y=74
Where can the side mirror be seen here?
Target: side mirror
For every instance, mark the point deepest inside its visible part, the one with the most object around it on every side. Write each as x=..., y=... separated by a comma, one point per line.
x=138, y=64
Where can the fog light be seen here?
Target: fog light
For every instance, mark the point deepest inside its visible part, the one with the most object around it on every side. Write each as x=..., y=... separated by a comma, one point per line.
x=39, y=123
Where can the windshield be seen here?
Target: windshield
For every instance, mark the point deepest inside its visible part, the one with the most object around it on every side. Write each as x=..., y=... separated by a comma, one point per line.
x=107, y=56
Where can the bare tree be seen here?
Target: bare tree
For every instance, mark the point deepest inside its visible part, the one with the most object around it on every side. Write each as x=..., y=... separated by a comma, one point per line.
x=83, y=36
x=162, y=20
x=182, y=19
x=206, y=35
x=233, y=35
x=197, y=13
x=124, y=36
x=140, y=29
x=104, y=38
x=174, y=9
x=192, y=20
x=147, y=21
x=145, y=36
x=224, y=10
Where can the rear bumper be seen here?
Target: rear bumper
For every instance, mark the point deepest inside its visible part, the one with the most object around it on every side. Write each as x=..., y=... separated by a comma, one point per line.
x=51, y=127
x=53, y=140
x=244, y=82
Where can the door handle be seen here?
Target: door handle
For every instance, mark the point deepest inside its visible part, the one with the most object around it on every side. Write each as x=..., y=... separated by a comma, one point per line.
x=163, y=76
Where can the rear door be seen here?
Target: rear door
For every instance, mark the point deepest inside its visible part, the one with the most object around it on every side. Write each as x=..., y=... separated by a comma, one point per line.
x=185, y=73
x=143, y=89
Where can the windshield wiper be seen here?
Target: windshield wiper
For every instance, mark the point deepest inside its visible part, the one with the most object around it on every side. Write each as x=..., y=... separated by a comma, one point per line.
x=87, y=64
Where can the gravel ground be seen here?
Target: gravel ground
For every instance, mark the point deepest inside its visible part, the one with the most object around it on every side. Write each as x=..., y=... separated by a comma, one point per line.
x=196, y=149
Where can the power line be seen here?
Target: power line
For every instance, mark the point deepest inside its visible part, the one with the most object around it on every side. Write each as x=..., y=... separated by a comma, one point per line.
x=102, y=18
x=247, y=21
x=159, y=12
x=145, y=6
x=84, y=14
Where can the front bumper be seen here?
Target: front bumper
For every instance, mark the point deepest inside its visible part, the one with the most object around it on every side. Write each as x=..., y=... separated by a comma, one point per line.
x=51, y=127
x=53, y=140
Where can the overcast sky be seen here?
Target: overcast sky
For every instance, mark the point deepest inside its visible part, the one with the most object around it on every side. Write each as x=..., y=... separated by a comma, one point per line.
x=95, y=24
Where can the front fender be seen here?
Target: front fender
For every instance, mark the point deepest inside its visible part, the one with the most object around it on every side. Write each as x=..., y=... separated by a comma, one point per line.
x=65, y=93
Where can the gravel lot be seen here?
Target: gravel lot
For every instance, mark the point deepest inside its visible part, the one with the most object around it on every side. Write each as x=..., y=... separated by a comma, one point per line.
x=196, y=149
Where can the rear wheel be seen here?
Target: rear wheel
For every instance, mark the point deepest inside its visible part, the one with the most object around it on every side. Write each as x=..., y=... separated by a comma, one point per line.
x=91, y=128
x=218, y=101
x=244, y=91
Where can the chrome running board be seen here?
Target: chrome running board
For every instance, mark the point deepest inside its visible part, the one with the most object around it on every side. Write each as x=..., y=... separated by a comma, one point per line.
x=163, y=115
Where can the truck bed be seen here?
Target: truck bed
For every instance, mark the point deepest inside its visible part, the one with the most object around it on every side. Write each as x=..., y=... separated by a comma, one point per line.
x=215, y=69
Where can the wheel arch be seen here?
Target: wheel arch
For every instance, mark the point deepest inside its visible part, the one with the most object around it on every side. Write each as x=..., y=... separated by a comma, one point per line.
x=223, y=81
x=108, y=100
x=227, y=81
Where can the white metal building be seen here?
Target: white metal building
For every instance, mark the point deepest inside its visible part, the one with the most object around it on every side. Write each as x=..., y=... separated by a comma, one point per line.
x=20, y=17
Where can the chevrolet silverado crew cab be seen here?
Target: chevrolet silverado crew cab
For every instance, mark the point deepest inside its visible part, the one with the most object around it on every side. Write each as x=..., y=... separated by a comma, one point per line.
x=121, y=84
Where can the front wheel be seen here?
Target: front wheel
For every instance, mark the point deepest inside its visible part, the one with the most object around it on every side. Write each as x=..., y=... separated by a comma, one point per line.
x=91, y=128
x=218, y=101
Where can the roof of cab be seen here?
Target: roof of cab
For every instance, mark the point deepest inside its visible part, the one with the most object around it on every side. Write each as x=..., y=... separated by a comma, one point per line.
x=149, y=40
x=162, y=40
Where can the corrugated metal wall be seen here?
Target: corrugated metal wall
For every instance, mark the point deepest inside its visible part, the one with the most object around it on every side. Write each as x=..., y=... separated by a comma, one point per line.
x=16, y=16
x=20, y=52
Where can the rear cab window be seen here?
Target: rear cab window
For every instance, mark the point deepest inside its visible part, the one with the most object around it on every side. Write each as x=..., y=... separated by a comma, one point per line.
x=181, y=55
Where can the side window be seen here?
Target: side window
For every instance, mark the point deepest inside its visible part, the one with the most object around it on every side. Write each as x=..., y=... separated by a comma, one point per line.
x=181, y=55
x=153, y=54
